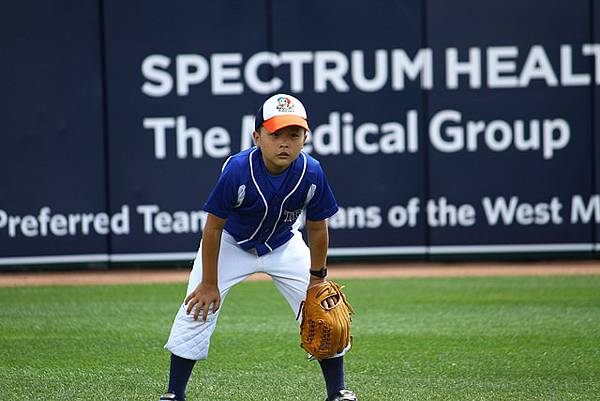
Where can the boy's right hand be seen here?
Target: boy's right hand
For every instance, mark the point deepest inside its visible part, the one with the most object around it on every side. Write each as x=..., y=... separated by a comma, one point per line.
x=202, y=297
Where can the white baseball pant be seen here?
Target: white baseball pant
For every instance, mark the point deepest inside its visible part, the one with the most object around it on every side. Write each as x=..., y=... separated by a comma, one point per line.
x=288, y=266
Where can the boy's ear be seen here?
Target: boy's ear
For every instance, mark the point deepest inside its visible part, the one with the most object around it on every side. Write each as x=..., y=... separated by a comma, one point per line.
x=255, y=136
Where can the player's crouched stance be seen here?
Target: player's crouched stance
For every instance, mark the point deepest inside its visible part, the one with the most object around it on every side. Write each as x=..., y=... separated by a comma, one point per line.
x=251, y=227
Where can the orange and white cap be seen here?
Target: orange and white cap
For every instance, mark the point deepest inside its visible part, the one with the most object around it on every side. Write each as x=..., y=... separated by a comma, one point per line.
x=281, y=111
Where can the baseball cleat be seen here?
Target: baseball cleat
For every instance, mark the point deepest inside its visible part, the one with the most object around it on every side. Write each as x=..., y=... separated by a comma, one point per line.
x=167, y=397
x=343, y=395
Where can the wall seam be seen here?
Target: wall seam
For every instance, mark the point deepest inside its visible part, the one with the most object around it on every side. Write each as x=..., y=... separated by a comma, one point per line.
x=269, y=28
x=105, y=124
x=423, y=123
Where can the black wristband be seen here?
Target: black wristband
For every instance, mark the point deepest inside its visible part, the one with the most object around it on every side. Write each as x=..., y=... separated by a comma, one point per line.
x=320, y=273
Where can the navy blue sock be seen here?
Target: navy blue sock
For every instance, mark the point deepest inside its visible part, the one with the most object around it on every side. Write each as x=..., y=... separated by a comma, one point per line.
x=333, y=372
x=181, y=370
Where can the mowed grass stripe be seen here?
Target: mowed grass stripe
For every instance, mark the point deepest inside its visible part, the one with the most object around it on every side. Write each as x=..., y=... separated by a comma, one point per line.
x=477, y=338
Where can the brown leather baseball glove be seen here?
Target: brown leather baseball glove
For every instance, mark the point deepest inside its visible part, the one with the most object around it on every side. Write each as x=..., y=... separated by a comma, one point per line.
x=325, y=328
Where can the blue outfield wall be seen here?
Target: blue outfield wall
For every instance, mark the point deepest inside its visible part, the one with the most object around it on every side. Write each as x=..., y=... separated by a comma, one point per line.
x=52, y=143
x=447, y=129
x=523, y=116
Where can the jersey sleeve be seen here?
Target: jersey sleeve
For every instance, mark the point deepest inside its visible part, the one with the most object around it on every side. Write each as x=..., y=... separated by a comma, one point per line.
x=222, y=198
x=323, y=204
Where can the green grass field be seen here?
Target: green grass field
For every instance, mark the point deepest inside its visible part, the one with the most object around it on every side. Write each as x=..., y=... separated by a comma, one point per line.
x=505, y=338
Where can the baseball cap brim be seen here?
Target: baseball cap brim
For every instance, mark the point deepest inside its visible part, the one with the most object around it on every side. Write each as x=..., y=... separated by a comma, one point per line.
x=279, y=122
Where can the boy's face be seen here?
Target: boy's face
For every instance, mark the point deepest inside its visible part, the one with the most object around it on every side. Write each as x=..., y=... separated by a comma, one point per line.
x=280, y=148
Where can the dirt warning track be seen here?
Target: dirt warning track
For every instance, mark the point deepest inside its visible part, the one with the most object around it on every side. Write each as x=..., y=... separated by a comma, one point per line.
x=336, y=271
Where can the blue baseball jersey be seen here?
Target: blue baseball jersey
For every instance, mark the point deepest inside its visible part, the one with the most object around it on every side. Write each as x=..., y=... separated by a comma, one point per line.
x=261, y=209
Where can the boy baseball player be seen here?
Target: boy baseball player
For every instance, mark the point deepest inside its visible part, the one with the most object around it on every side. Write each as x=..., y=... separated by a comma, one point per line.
x=251, y=227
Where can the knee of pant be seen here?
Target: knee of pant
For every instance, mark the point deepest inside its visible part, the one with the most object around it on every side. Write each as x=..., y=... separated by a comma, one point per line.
x=190, y=342
x=190, y=338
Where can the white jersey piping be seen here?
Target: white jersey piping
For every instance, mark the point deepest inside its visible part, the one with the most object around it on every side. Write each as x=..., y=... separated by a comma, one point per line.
x=225, y=164
x=262, y=197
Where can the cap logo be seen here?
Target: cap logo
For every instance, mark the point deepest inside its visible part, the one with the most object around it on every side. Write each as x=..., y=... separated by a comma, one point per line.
x=285, y=105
